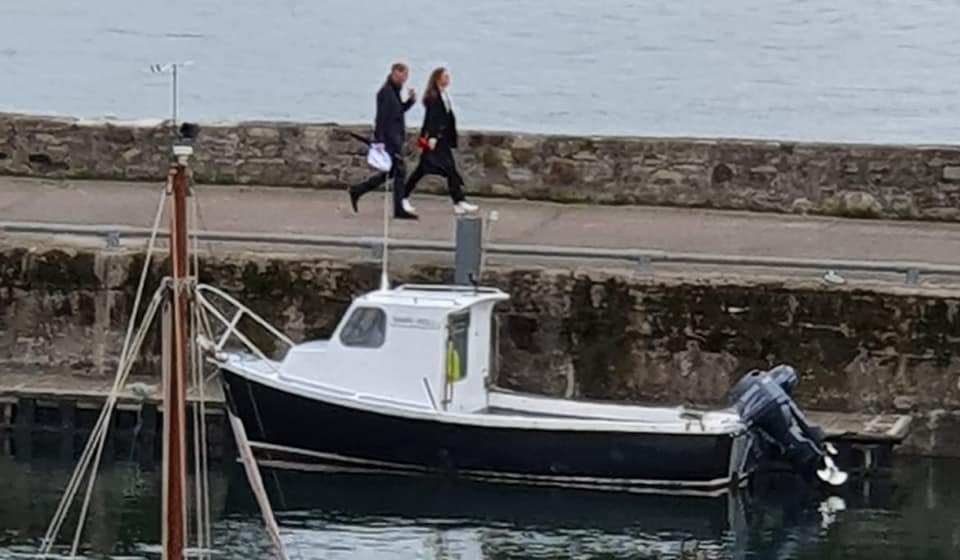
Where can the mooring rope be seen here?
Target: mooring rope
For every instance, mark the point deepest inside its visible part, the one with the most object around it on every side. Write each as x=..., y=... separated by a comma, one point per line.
x=95, y=467
x=271, y=526
x=201, y=462
x=90, y=459
x=97, y=438
x=96, y=442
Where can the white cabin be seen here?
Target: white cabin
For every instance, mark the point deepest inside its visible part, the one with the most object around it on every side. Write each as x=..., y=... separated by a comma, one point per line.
x=426, y=351
x=426, y=346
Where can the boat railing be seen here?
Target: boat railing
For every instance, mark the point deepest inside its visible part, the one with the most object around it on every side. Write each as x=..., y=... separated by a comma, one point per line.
x=236, y=312
x=447, y=288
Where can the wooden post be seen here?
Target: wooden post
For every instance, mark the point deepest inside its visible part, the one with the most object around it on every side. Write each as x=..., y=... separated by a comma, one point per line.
x=68, y=429
x=148, y=431
x=26, y=414
x=24, y=425
x=174, y=411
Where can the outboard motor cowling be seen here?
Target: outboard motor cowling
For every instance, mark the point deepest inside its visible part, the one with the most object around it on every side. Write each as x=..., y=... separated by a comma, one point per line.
x=763, y=401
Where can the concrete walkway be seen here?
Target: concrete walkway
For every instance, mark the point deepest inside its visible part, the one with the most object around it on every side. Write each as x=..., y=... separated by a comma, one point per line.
x=280, y=210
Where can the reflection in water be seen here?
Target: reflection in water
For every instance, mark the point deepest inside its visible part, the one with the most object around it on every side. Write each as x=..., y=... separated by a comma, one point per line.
x=908, y=515
x=457, y=519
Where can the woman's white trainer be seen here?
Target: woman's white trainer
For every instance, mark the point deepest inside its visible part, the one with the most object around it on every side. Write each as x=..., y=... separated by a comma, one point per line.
x=464, y=207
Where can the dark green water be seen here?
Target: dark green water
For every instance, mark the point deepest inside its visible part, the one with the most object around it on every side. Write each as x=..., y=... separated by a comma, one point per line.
x=914, y=513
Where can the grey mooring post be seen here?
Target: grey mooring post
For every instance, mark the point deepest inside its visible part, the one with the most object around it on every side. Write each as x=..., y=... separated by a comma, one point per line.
x=469, y=249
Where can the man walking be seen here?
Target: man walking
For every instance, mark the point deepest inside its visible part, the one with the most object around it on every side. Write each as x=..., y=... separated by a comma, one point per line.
x=390, y=130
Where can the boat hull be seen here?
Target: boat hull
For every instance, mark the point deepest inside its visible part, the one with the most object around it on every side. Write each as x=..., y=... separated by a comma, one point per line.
x=295, y=431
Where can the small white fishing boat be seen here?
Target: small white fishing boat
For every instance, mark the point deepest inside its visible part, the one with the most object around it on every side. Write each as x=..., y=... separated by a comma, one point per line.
x=404, y=385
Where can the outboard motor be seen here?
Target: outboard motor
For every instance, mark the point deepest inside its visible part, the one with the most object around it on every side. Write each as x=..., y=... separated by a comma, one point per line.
x=762, y=398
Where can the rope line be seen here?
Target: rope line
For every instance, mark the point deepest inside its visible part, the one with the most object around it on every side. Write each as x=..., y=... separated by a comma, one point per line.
x=97, y=438
x=201, y=463
x=88, y=466
x=204, y=310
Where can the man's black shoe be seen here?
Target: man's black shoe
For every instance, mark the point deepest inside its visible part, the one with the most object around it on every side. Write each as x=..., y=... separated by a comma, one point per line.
x=403, y=215
x=354, y=197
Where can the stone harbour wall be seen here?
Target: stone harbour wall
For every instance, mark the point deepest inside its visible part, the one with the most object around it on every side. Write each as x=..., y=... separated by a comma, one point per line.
x=589, y=333
x=908, y=182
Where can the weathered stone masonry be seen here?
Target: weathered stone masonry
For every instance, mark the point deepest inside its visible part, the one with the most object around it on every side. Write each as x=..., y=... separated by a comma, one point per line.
x=586, y=334
x=834, y=179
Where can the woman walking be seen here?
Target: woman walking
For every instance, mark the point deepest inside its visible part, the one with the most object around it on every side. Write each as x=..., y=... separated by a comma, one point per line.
x=438, y=138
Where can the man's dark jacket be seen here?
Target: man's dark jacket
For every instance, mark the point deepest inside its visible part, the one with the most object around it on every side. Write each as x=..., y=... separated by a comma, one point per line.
x=390, y=126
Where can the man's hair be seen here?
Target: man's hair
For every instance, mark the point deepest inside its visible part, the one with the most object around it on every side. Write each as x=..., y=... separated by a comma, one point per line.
x=398, y=67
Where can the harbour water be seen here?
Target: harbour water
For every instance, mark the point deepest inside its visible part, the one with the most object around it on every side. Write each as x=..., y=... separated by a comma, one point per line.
x=875, y=70
x=910, y=514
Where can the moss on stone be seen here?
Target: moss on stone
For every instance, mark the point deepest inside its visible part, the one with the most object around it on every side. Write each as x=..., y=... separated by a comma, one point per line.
x=490, y=158
x=600, y=337
x=62, y=270
x=521, y=156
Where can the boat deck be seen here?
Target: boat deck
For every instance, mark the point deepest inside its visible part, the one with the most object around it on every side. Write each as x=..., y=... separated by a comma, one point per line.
x=838, y=426
x=862, y=428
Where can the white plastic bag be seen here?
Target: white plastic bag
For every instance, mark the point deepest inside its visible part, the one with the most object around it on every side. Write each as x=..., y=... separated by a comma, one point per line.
x=378, y=158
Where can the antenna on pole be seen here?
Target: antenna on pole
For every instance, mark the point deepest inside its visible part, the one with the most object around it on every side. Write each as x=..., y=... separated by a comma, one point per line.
x=379, y=159
x=174, y=69
x=384, y=276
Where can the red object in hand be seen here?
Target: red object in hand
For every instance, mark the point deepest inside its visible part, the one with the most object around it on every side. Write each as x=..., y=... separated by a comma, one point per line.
x=423, y=143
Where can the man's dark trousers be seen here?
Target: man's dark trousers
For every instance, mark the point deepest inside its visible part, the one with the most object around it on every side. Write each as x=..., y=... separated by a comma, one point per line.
x=398, y=171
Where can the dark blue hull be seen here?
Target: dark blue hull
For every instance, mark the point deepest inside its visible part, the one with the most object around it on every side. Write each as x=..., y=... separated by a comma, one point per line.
x=292, y=430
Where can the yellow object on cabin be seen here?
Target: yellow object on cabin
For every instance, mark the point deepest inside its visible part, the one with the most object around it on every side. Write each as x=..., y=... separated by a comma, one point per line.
x=453, y=363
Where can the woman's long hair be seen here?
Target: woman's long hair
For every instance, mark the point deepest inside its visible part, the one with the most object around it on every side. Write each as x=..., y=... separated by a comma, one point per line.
x=433, y=84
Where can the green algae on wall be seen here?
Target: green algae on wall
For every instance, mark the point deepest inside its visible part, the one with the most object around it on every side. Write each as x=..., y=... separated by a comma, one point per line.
x=578, y=334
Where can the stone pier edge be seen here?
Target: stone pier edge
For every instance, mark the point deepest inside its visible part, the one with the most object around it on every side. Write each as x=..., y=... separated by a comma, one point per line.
x=847, y=180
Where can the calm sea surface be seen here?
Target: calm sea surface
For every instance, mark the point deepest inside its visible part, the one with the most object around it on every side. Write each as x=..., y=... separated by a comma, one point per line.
x=914, y=513
x=870, y=70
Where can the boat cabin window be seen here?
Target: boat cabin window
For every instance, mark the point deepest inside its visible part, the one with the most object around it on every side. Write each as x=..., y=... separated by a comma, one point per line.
x=366, y=328
x=458, y=331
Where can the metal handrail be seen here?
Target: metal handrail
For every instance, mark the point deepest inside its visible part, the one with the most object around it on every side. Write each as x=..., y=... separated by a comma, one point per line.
x=240, y=311
x=113, y=234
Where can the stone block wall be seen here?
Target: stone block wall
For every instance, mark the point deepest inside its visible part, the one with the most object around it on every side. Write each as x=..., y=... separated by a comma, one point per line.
x=909, y=182
x=577, y=334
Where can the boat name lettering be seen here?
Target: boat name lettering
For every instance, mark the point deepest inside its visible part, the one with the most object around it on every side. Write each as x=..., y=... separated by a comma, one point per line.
x=415, y=323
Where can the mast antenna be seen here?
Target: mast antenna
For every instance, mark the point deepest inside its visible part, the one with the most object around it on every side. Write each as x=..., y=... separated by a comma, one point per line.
x=174, y=69
x=384, y=276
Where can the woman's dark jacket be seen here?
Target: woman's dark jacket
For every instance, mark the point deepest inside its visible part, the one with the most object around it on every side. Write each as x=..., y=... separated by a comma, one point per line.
x=439, y=123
